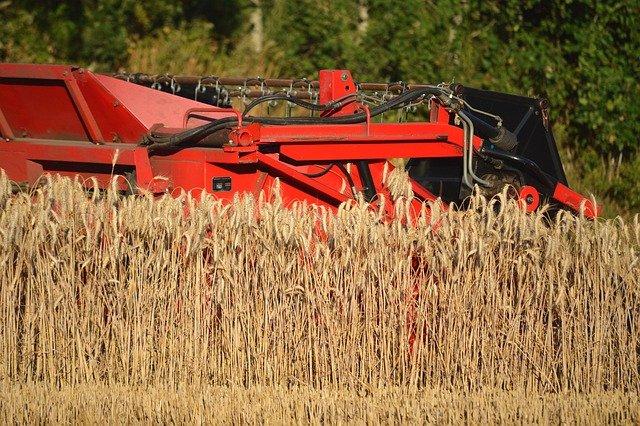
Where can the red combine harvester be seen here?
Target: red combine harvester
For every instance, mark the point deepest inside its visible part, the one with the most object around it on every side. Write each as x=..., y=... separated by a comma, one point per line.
x=69, y=121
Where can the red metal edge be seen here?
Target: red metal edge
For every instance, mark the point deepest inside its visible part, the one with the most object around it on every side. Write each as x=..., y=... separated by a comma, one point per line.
x=576, y=201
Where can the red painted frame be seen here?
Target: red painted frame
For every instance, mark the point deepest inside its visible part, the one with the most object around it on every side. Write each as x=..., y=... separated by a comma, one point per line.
x=66, y=120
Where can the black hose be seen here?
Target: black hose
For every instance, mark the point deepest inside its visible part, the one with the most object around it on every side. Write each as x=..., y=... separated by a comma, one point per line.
x=525, y=163
x=344, y=119
x=282, y=97
x=367, y=180
x=499, y=136
x=342, y=168
x=189, y=135
x=346, y=173
x=321, y=172
x=360, y=117
x=481, y=127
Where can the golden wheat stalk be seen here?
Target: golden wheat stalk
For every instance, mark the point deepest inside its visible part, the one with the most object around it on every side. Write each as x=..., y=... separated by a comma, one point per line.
x=100, y=289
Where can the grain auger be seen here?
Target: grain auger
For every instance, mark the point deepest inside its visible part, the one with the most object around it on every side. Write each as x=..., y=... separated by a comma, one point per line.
x=331, y=142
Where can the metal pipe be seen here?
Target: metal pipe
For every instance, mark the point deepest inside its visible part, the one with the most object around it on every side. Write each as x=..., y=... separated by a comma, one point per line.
x=470, y=148
x=465, y=175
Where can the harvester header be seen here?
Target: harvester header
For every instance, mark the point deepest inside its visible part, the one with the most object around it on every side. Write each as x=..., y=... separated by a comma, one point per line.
x=331, y=142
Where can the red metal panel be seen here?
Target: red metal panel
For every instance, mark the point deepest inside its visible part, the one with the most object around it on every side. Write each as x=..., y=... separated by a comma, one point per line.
x=366, y=151
x=35, y=71
x=337, y=85
x=71, y=151
x=384, y=132
x=67, y=103
x=85, y=112
x=19, y=169
x=151, y=106
x=576, y=201
x=5, y=129
x=115, y=122
x=313, y=187
x=40, y=108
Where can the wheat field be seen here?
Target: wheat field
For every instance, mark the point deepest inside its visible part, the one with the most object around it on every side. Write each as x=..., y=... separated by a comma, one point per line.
x=143, y=309
x=101, y=404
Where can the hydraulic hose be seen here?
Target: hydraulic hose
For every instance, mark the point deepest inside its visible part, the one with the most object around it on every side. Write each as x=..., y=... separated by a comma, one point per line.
x=280, y=97
x=195, y=134
x=525, y=164
x=499, y=136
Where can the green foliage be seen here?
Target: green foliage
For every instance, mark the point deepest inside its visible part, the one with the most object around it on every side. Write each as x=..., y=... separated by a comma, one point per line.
x=621, y=182
x=398, y=43
x=104, y=34
x=226, y=16
x=308, y=35
x=19, y=42
x=627, y=185
x=164, y=51
x=580, y=54
x=93, y=33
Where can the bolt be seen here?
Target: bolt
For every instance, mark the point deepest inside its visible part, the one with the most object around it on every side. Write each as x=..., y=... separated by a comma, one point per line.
x=529, y=199
x=344, y=76
x=116, y=103
x=64, y=73
x=544, y=103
